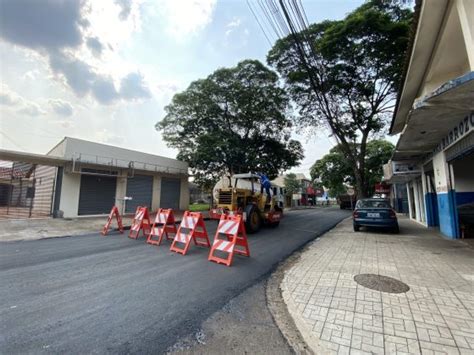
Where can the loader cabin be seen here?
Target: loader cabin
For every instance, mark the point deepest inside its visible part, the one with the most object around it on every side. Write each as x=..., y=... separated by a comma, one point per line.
x=246, y=198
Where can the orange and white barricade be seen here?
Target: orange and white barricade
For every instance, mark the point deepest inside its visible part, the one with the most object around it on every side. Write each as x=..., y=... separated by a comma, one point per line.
x=113, y=212
x=192, y=227
x=234, y=242
x=141, y=221
x=164, y=223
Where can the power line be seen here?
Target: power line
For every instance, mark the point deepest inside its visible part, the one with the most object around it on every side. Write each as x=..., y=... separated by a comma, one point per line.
x=12, y=141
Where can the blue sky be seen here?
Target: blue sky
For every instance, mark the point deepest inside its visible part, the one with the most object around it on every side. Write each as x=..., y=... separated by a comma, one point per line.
x=104, y=70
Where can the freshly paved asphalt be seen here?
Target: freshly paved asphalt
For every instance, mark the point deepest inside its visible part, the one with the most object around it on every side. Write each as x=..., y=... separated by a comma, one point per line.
x=93, y=294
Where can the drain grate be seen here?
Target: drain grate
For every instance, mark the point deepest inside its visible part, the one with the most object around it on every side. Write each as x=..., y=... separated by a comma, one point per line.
x=381, y=283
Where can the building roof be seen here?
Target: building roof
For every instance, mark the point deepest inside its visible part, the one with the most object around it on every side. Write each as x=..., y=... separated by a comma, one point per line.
x=428, y=19
x=87, y=152
x=72, y=150
x=438, y=83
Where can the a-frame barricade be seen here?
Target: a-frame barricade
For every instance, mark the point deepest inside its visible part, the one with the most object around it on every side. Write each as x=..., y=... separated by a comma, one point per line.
x=163, y=225
x=192, y=227
x=114, y=212
x=141, y=221
x=234, y=241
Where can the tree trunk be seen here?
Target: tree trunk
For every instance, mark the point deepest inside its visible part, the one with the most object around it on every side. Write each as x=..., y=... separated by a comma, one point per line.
x=360, y=183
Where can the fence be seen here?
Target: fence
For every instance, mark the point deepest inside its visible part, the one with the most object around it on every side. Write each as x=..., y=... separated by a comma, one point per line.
x=26, y=190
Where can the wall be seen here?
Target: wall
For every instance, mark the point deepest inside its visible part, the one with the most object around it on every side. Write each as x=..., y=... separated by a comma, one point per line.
x=184, y=197
x=155, y=200
x=91, y=149
x=121, y=191
x=447, y=212
x=69, y=203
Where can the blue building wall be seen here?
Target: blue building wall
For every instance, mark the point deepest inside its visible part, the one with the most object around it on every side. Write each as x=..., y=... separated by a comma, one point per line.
x=448, y=215
x=432, y=213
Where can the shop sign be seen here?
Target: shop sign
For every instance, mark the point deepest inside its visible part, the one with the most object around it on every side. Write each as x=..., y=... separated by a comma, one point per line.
x=382, y=189
x=296, y=196
x=458, y=132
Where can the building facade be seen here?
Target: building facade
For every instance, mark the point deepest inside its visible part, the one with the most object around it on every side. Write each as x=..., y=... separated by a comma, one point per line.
x=434, y=116
x=89, y=178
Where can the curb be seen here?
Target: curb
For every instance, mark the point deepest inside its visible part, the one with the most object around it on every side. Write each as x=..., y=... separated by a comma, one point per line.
x=294, y=330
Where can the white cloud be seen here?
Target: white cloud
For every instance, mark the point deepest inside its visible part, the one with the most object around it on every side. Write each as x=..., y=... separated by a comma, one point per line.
x=76, y=38
x=31, y=109
x=61, y=107
x=186, y=17
x=231, y=26
x=14, y=101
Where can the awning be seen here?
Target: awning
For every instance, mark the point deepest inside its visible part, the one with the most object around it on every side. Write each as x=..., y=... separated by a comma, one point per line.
x=434, y=116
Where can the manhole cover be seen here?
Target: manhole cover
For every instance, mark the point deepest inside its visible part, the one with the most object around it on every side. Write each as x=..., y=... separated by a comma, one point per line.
x=381, y=283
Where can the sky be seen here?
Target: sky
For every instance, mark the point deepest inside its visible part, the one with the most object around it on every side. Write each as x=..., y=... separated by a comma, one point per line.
x=104, y=70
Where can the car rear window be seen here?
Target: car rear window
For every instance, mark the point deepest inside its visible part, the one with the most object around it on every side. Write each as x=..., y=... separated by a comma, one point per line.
x=372, y=204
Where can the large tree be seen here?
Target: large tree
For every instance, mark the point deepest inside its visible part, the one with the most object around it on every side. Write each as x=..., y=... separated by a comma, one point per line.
x=335, y=171
x=344, y=75
x=235, y=120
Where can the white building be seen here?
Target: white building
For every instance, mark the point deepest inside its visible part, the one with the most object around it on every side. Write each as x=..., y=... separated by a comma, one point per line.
x=89, y=178
x=435, y=118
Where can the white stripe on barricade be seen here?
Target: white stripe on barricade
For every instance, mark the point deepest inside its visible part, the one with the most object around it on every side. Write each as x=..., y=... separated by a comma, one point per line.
x=225, y=246
x=228, y=227
x=182, y=237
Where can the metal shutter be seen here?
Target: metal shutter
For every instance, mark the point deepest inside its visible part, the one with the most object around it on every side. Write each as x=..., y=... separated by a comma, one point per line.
x=97, y=194
x=170, y=193
x=140, y=189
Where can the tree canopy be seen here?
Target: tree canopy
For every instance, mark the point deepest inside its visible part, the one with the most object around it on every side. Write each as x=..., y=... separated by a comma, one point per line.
x=335, y=171
x=235, y=120
x=348, y=84
x=292, y=185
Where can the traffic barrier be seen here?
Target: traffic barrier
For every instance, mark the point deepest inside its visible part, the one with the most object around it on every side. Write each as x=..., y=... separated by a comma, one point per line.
x=192, y=227
x=235, y=242
x=113, y=212
x=141, y=221
x=164, y=223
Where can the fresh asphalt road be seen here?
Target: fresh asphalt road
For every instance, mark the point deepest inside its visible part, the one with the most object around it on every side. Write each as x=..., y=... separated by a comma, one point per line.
x=94, y=294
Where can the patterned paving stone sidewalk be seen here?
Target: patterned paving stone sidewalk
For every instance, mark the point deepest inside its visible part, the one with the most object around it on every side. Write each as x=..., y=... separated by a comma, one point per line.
x=337, y=315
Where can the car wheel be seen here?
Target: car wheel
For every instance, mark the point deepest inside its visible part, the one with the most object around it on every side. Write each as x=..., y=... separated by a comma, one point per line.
x=356, y=228
x=396, y=230
x=253, y=220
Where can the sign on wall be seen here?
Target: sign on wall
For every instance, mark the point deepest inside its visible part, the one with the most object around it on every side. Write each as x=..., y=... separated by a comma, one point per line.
x=459, y=131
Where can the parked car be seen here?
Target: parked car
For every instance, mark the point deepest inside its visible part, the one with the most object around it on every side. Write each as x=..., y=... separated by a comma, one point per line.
x=374, y=212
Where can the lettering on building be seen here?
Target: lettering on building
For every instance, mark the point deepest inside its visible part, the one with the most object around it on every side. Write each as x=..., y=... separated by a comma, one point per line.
x=459, y=131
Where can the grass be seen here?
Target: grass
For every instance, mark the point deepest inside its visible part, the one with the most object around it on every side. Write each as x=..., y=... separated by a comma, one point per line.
x=199, y=207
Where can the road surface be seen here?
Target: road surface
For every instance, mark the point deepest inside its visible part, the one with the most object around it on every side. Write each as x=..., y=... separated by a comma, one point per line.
x=94, y=294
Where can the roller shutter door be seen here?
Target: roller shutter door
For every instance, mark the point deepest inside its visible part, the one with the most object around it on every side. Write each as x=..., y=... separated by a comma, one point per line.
x=97, y=194
x=170, y=193
x=140, y=189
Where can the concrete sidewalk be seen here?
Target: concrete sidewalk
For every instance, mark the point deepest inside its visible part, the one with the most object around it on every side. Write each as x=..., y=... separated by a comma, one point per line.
x=40, y=228
x=335, y=314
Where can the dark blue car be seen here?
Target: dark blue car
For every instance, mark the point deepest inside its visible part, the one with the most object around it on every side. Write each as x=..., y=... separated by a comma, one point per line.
x=374, y=212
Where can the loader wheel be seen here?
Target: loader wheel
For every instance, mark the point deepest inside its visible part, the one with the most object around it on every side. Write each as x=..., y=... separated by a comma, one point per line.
x=253, y=220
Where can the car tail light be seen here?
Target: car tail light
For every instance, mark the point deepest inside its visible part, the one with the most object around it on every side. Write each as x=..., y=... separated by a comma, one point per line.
x=393, y=214
x=355, y=214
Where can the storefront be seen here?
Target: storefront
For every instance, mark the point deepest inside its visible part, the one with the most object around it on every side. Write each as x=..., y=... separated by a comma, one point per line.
x=434, y=116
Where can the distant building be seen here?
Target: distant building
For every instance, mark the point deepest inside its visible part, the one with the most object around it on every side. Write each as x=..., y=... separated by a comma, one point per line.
x=305, y=196
x=82, y=178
